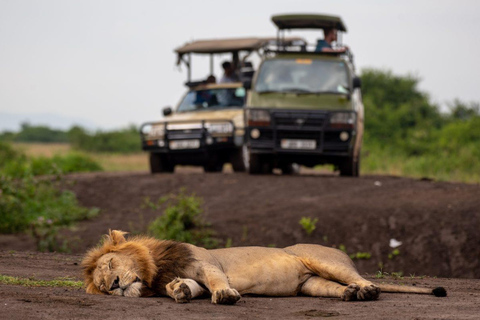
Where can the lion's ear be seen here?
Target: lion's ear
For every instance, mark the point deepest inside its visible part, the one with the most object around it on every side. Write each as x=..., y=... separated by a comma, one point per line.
x=116, y=236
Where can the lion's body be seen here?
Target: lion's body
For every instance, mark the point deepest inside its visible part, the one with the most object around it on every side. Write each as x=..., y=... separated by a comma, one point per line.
x=145, y=266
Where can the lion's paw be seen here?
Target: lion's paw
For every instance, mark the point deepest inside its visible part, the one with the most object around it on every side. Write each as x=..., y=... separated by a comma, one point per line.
x=350, y=293
x=371, y=292
x=225, y=296
x=182, y=294
x=180, y=291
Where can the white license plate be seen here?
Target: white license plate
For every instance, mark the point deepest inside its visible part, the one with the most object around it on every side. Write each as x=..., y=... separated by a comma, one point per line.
x=184, y=144
x=302, y=144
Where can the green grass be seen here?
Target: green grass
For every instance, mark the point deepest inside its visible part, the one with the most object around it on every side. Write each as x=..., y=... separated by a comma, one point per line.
x=456, y=166
x=31, y=282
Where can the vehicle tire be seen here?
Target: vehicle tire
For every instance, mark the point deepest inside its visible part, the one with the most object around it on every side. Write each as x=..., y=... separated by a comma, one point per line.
x=239, y=159
x=159, y=163
x=349, y=167
x=290, y=168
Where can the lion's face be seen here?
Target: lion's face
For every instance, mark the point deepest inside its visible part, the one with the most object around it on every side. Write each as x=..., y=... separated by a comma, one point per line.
x=117, y=274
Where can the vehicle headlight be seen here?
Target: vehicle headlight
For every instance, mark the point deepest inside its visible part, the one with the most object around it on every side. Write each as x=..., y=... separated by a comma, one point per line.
x=154, y=131
x=258, y=118
x=344, y=120
x=219, y=128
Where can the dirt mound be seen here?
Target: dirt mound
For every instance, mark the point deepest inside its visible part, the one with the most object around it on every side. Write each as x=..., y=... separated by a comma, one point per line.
x=436, y=222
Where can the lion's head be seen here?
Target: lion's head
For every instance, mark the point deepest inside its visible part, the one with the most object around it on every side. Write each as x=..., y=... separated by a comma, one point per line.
x=119, y=267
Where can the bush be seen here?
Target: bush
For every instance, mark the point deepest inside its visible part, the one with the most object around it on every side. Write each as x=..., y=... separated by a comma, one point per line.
x=121, y=141
x=38, y=205
x=181, y=220
x=24, y=201
x=16, y=164
x=407, y=135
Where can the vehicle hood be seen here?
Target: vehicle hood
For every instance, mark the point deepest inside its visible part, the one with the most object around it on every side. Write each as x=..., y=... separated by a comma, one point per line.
x=235, y=115
x=299, y=101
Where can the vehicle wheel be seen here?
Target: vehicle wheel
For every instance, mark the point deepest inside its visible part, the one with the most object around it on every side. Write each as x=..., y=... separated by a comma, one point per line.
x=159, y=163
x=290, y=168
x=239, y=159
x=349, y=167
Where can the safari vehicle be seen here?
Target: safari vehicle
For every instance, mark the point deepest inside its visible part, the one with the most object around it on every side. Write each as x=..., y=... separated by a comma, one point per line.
x=304, y=107
x=207, y=127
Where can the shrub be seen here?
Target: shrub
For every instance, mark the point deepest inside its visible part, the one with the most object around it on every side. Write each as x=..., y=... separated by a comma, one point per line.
x=181, y=220
x=24, y=201
x=308, y=224
x=121, y=141
x=38, y=205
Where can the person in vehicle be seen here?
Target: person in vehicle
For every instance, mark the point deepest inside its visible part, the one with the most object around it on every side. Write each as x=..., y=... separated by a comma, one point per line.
x=325, y=44
x=211, y=79
x=229, y=73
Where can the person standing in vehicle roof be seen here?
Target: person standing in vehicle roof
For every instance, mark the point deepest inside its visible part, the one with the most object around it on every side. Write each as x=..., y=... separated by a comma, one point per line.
x=325, y=44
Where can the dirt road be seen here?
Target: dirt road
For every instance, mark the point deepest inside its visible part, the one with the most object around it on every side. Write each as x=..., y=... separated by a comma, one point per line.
x=436, y=222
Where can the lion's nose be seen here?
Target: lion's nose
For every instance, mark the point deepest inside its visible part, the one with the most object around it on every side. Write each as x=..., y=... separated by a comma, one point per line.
x=115, y=284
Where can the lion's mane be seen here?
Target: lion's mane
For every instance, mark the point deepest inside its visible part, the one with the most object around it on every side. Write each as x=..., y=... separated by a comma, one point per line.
x=159, y=261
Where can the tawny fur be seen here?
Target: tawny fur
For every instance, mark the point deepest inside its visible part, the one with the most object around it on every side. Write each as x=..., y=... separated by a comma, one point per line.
x=144, y=266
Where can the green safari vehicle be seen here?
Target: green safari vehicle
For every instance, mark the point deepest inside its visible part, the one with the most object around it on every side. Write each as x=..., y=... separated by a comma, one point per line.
x=304, y=106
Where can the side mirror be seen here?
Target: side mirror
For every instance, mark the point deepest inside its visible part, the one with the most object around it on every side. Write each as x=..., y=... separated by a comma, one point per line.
x=167, y=111
x=357, y=83
x=247, y=84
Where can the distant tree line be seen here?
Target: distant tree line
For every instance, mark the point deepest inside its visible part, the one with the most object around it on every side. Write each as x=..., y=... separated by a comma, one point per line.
x=125, y=140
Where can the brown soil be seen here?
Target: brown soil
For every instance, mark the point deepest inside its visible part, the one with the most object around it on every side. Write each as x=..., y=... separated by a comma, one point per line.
x=436, y=222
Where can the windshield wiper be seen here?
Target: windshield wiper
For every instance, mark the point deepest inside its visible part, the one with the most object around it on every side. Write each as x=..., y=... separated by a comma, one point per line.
x=295, y=90
x=324, y=92
x=288, y=90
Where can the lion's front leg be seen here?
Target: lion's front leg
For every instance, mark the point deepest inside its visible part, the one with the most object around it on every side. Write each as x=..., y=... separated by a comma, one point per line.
x=216, y=281
x=184, y=290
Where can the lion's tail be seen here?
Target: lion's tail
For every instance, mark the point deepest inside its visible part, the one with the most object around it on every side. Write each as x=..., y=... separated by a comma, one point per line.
x=437, y=292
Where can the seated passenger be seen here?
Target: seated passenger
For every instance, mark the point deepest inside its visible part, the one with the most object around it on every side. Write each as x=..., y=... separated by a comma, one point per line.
x=210, y=79
x=325, y=45
x=229, y=73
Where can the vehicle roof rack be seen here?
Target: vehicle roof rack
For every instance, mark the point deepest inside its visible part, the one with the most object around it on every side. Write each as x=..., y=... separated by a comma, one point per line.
x=308, y=21
x=229, y=45
x=218, y=46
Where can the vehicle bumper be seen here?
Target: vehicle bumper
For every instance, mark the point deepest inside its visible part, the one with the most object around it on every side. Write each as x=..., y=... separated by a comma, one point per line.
x=191, y=143
x=330, y=142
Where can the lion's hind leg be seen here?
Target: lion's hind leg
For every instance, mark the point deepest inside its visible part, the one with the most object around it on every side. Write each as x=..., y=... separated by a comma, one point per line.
x=319, y=287
x=184, y=290
x=334, y=265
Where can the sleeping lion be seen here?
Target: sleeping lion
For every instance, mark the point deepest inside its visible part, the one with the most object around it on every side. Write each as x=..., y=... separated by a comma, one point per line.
x=143, y=266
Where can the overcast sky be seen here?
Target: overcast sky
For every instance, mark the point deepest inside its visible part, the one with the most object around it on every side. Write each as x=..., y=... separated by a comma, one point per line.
x=110, y=63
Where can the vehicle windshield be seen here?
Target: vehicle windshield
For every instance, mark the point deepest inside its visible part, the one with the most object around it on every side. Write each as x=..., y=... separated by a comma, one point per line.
x=212, y=99
x=303, y=76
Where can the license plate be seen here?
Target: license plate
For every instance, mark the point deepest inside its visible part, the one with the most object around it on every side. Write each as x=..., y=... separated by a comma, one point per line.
x=302, y=144
x=184, y=144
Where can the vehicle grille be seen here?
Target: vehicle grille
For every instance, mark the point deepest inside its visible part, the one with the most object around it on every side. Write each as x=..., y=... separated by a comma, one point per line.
x=296, y=120
x=184, y=134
